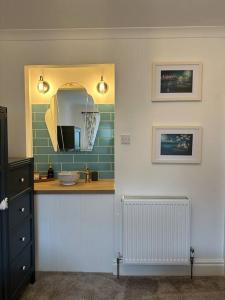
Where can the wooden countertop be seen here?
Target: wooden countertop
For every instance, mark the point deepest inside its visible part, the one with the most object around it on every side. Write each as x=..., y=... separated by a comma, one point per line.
x=94, y=187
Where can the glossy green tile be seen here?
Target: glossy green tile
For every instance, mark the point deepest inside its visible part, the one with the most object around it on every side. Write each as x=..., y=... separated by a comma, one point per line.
x=40, y=142
x=44, y=150
x=106, y=175
x=106, y=158
x=57, y=167
x=39, y=125
x=34, y=134
x=42, y=167
x=68, y=152
x=106, y=107
x=102, y=150
x=73, y=167
x=82, y=176
x=39, y=107
x=106, y=141
x=39, y=117
x=42, y=133
x=112, y=116
x=40, y=158
x=99, y=166
x=100, y=158
x=50, y=144
x=84, y=152
x=85, y=158
x=80, y=166
x=105, y=133
x=61, y=158
x=106, y=125
x=105, y=116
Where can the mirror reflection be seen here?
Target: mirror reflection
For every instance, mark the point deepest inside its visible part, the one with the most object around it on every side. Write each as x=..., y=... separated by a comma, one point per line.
x=77, y=118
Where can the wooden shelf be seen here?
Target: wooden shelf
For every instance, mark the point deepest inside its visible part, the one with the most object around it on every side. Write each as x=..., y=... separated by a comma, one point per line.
x=94, y=187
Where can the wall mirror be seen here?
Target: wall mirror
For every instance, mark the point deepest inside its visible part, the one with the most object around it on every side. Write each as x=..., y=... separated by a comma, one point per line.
x=72, y=119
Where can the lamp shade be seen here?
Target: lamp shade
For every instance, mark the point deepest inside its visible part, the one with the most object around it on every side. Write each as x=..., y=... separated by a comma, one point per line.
x=102, y=86
x=42, y=86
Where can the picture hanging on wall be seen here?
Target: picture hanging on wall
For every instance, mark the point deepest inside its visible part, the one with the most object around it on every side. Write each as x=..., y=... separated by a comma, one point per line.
x=176, y=144
x=177, y=82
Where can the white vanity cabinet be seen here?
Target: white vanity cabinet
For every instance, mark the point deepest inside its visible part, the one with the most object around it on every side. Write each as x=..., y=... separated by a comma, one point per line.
x=74, y=232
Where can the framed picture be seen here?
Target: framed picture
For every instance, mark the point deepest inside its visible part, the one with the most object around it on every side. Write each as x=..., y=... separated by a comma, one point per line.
x=177, y=144
x=177, y=82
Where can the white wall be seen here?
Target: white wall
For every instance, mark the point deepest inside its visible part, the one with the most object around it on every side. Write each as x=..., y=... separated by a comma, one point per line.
x=135, y=114
x=109, y=13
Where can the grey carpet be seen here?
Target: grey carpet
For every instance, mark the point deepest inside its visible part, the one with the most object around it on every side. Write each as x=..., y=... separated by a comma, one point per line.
x=91, y=286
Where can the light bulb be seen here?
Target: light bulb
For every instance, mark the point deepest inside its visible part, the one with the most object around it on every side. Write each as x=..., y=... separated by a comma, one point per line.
x=102, y=86
x=42, y=86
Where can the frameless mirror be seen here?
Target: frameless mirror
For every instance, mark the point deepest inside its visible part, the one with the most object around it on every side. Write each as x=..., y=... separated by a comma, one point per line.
x=75, y=117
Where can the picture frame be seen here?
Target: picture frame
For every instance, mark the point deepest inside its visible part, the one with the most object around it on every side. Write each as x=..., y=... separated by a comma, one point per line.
x=177, y=81
x=176, y=144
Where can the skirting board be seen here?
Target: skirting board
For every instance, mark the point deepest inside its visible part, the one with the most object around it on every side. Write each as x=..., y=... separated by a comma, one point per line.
x=202, y=267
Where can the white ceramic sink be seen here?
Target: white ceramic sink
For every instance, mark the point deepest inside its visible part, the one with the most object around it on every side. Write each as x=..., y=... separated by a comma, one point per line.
x=68, y=177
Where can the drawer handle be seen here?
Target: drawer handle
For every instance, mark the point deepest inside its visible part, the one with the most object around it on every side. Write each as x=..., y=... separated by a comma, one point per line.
x=24, y=268
x=22, y=179
x=23, y=239
x=22, y=210
x=4, y=204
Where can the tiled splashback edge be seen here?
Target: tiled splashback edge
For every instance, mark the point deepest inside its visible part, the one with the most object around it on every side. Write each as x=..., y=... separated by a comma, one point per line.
x=100, y=159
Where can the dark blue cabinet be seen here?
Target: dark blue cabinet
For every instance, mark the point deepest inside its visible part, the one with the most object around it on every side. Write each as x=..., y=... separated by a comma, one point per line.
x=17, y=260
x=1, y=265
x=3, y=168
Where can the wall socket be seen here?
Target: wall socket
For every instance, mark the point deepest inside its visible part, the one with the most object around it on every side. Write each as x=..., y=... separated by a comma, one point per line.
x=125, y=139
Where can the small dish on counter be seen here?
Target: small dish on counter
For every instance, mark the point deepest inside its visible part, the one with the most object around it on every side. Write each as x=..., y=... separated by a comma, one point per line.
x=41, y=178
x=44, y=179
x=68, y=177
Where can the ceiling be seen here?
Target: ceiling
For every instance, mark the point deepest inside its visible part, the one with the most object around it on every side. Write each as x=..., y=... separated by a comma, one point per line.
x=50, y=14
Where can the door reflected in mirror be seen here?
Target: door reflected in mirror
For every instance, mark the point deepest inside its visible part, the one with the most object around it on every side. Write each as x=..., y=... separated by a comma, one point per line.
x=75, y=119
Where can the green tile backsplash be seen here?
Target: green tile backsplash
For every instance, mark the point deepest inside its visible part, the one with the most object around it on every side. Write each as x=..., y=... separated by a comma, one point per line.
x=100, y=159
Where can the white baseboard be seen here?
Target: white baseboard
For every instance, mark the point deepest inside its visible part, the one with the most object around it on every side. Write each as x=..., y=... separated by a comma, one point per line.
x=202, y=267
x=209, y=267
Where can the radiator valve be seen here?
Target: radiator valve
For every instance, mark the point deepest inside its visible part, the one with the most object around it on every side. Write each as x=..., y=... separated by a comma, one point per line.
x=192, y=256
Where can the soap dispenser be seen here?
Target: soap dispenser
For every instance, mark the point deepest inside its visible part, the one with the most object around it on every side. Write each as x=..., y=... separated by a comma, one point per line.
x=50, y=172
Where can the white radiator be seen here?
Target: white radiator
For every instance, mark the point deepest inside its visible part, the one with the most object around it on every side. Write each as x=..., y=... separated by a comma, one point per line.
x=156, y=230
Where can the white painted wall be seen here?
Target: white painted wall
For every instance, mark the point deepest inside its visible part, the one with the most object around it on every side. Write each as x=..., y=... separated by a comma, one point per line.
x=135, y=114
x=109, y=13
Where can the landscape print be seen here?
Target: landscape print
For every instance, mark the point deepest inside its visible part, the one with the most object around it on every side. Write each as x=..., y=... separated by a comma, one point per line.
x=176, y=144
x=176, y=81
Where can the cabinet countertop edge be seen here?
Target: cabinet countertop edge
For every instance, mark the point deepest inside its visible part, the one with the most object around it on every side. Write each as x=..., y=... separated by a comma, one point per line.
x=94, y=187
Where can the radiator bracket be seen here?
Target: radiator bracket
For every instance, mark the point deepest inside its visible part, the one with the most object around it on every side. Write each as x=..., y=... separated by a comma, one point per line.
x=192, y=257
x=118, y=260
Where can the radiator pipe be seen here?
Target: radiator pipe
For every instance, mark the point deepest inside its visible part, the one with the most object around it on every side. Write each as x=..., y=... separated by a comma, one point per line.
x=118, y=259
x=192, y=257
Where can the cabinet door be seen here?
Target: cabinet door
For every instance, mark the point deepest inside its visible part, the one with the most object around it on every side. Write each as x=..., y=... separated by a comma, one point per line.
x=3, y=167
x=3, y=151
x=1, y=267
x=1, y=262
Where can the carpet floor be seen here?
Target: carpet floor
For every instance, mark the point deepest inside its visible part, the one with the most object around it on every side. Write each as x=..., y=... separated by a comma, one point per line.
x=92, y=286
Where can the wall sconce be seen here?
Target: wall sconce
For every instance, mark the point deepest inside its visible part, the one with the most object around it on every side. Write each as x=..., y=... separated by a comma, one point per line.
x=102, y=86
x=43, y=86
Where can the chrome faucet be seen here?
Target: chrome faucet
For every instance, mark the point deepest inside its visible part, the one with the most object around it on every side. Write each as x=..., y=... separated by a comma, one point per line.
x=87, y=174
